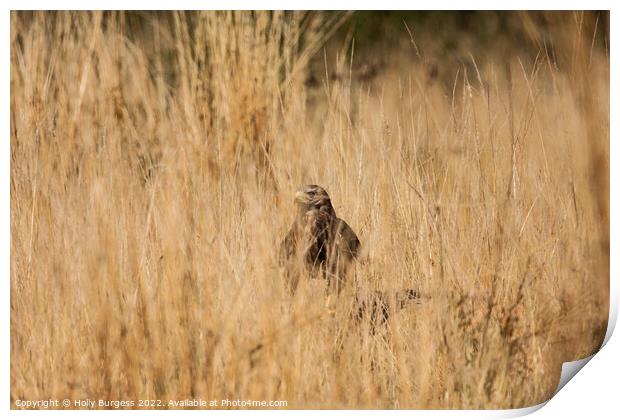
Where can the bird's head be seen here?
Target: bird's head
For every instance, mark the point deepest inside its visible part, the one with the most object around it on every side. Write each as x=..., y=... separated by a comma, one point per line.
x=311, y=197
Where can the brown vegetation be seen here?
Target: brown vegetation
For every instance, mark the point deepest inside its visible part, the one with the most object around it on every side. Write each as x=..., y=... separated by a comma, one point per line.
x=152, y=176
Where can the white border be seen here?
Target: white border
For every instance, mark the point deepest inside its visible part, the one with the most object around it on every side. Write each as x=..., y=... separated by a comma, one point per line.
x=598, y=382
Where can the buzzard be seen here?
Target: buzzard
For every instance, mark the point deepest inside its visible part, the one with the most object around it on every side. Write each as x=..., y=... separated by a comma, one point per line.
x=323, y=245
x=318, y=242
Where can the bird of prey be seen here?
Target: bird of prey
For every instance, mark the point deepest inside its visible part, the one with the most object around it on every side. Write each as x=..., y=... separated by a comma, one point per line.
x=323, y=245
x=318, y=242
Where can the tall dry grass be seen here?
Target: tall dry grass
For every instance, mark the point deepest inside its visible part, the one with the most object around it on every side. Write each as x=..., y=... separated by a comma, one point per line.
x=152, y=179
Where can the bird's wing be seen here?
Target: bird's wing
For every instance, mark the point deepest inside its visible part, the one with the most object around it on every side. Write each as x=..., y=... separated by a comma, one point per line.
x=345, y=239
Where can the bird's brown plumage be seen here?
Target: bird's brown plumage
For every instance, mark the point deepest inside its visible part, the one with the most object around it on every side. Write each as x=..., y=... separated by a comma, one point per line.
x=318, y=241
x=322, y=245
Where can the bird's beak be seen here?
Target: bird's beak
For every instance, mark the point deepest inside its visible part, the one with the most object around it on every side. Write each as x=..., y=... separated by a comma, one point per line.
x=300, y=197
